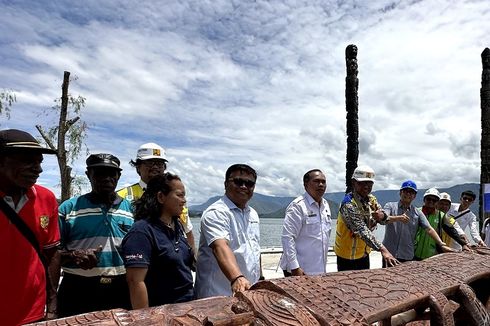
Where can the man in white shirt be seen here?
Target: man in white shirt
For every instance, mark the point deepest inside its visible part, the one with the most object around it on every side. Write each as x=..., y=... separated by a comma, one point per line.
x=462, y=214
x=228, y=260
x=306, y=229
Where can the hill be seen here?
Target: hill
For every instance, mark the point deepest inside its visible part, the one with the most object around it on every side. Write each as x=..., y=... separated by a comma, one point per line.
x=274, y=207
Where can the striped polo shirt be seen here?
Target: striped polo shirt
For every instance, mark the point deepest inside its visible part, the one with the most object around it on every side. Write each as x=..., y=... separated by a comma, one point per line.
x=85, y=224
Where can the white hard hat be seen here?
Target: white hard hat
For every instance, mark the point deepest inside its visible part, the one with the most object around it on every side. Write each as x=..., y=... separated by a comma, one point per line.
x=432, y=192
x=445, y=196
x=363, y=173
x=150, y=151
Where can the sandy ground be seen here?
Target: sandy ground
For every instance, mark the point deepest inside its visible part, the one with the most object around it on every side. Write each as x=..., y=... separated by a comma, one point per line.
x=271, y=269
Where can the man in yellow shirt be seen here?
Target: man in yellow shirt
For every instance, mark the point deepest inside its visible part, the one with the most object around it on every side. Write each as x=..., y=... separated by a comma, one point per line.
x=151, y=161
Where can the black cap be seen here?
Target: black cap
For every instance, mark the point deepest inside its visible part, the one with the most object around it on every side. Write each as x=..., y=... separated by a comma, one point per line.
x=103, y=160
x=14, y=139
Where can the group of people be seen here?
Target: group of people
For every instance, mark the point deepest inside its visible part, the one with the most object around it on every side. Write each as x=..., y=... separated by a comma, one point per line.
x=134, y=248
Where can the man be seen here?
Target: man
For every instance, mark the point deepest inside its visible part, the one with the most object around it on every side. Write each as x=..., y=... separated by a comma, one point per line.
x=400, y=238
x=228, y=260
x=464, y=216
x=150, y=162
x=306, y=229
x=359, y=212
x=425, y=245
x=443, y=205
x=28, y=288
x=92, y=228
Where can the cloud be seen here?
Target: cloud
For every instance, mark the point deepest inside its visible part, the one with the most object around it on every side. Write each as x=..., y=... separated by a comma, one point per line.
x=260, y=82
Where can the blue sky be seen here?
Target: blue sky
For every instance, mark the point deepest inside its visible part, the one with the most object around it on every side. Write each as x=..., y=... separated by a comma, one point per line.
x=257, y=82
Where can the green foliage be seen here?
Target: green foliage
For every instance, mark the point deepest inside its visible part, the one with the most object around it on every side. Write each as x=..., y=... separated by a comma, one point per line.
x=7, y=98
x=75, y=132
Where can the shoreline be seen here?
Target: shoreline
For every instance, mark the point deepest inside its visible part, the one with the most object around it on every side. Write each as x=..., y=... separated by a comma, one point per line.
x=271, y=256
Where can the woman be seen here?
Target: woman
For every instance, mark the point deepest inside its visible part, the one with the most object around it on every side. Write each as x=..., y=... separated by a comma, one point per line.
x=157, y=256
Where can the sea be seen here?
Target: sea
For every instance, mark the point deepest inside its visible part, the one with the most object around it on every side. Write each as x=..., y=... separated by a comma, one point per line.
x=271, y=229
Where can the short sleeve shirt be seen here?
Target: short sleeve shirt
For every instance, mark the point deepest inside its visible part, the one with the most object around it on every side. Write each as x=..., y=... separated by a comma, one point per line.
x=168, y=257
x=240, y=227
x=400, y=237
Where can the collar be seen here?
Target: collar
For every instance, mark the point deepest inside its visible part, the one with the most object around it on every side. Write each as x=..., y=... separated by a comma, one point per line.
x=94, y=199
x=231, y=205
x=310, y=200
x=400, y=206
x=142, y=185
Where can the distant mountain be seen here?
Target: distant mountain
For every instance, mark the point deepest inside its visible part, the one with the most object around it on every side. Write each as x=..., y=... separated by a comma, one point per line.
x=274, y=207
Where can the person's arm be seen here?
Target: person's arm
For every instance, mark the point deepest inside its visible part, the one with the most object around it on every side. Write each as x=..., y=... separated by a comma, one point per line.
x=138, y=293
x=439, y=243
x=229, y=266
x=474, y=231
x=191, y=241
x=404, y=218
x=52, y=279
x=83, y=258
x=291, y=228
x=354, y=220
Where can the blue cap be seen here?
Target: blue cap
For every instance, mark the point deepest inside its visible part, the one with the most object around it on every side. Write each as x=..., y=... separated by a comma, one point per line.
x=409, y=184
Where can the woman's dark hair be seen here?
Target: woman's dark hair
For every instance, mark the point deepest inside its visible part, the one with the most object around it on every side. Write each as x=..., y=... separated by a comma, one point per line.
x=148, y=207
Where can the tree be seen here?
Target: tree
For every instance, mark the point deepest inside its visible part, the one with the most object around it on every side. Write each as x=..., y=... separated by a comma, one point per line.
x=351, y=104
x=67, y=137
x=7, y=98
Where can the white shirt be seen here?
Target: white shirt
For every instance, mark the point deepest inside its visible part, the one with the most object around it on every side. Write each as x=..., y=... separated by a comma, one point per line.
x=240, y=227
x=468, y=219
x=486, y=231
x=305, y=235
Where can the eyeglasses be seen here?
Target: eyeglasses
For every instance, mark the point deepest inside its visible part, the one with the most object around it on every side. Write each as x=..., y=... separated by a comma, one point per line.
x=467, y=198
x=240, y=182
x=158, y=164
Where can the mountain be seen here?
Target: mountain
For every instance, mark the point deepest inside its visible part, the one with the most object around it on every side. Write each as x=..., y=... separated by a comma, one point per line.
x=274, y=207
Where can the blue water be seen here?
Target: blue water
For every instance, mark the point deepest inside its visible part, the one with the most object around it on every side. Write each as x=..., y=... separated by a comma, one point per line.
x=271, y=229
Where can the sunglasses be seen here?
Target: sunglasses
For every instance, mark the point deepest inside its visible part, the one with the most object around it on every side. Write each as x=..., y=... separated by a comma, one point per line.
x=467, y=198
x=158, y=164
x=240, y=182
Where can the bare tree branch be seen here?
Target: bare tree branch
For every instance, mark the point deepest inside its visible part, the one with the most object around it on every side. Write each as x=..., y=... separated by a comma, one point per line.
x=45, y=137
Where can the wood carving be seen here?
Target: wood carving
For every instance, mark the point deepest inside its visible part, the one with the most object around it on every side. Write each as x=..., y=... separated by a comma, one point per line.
x=447, y=289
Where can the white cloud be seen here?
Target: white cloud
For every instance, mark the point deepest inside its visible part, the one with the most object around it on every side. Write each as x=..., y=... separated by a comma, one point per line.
x=259, y=82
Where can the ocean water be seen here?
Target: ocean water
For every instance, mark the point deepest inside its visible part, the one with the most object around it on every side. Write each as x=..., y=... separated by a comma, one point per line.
x=271, y=229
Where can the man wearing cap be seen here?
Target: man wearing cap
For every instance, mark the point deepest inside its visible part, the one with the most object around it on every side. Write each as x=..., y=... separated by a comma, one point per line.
x=150, y=162
x=358, y=215
x=92, y=228
x=400, y=237
x=425, y=245
x=29, y=276
x=306, y=229
x=464, y=216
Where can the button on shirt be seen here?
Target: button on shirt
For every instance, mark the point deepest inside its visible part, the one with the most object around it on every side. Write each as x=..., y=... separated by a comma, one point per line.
x=400, y=237
x=240, y=227
x=305, y=235
x=468, y=219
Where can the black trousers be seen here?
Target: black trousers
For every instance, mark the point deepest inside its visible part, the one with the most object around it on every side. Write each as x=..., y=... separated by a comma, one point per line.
x=78, y=294
x=352, y=264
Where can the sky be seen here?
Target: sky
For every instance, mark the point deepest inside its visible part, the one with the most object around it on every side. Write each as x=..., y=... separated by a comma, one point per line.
x=256, y=82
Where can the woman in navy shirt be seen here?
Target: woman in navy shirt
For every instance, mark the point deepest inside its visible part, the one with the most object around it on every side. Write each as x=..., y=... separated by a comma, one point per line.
x=156, y=254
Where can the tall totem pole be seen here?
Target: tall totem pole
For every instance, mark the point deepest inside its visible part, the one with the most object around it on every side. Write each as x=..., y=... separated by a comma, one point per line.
x=485, y=129
x=351, y=105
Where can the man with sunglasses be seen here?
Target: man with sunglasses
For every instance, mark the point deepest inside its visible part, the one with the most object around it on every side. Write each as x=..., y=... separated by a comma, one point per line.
x=150, y=162
x=464, y=216
x=92, y=227
x=306, y=229
x=228, y=260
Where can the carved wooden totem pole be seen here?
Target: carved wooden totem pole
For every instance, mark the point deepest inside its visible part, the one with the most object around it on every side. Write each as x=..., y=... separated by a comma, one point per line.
x=352, y=104
x=485, y=128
